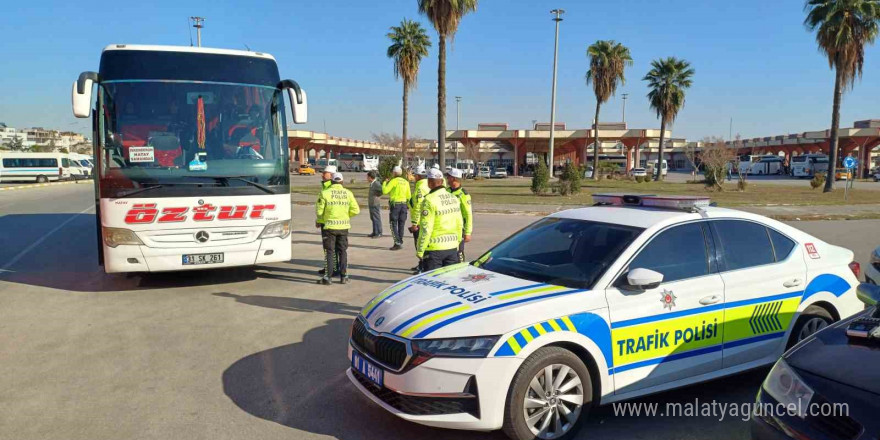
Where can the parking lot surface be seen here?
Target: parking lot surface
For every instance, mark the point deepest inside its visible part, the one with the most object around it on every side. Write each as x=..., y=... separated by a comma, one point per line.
x=245, y=353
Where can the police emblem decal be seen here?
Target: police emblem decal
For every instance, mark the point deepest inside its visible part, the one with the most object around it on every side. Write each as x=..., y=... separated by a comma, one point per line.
x=379, y=321
x=476, y=278
x=425, y=213
x=668, y=299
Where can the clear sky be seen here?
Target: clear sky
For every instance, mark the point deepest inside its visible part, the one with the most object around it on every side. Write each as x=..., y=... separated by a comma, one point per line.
x=754, y=60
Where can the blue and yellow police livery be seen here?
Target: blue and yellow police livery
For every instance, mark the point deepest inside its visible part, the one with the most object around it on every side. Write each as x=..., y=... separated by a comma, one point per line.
x=591, y=306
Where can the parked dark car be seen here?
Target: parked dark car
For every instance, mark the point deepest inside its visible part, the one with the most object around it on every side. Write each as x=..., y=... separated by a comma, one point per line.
x=831, y=381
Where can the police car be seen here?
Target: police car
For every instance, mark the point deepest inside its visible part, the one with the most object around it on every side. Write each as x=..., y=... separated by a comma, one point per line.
x=585, y=307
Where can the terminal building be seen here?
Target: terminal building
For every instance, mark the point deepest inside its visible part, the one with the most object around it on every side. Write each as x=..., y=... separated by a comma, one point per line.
x=498, y=145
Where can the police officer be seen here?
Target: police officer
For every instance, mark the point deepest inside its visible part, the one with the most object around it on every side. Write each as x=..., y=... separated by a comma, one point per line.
x=440, y=225
x=415, y=205
x=336, y=205
x=453, y=179
x=398, y=194
x=326, y=181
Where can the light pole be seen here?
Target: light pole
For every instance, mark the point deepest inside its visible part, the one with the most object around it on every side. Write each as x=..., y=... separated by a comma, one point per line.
x=624, y=107
x=457, y=122
x=197, y=23
x=557, y=19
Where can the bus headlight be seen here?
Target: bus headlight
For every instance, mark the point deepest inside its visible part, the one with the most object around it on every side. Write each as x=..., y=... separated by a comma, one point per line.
x=277, y=229
x=116, y=236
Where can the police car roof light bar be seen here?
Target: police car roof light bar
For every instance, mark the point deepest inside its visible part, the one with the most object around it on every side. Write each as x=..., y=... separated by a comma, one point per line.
x=683, y=203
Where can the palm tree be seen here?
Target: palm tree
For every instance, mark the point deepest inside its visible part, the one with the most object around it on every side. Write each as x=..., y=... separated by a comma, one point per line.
x=667, y=79
x=844, y=27
x=608, y=59
x=445, y=15
x=409, y=44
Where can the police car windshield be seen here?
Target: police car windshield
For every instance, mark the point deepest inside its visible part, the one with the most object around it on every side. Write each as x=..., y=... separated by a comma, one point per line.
x=565, y=252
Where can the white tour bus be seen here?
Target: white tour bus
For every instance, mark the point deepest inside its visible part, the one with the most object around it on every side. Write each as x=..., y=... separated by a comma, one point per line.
x=191, y=157
x=33, y=167
x=806, y=165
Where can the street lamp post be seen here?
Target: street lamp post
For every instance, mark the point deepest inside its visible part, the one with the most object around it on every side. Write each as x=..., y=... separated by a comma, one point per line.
x=557, y=19
x=197, y=23
x=457, y=122
x=624, y=107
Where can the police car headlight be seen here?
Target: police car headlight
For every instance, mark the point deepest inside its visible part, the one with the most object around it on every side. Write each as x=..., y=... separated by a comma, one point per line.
x=116, y=236
x=784, y=385
x=276, y=229
x=478, y=347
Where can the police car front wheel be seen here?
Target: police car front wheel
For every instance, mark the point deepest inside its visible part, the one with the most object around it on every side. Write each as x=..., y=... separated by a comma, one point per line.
x=549, y=397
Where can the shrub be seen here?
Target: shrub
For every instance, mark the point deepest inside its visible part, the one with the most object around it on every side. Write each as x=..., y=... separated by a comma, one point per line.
x=818, y=180
x=570, y=179
x=386, y=165
x=541, y=178
x=742, y=183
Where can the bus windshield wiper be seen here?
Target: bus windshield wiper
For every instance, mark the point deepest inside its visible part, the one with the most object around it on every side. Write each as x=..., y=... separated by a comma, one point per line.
x=243, y=179
x=137, y=191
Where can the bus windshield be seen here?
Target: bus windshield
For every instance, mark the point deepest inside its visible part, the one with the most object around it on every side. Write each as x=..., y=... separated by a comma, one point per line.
x=187, y=138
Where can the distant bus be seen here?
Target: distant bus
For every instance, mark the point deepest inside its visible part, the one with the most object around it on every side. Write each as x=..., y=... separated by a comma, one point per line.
x=33, y=167
x=806, y=165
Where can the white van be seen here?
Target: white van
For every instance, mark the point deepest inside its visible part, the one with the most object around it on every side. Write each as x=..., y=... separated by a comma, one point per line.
x=466, y=167
x=770, y=164
x=33, y=167
x=652, y=167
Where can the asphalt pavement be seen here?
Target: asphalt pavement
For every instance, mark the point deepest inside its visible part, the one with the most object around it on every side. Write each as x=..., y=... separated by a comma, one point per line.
x=242, y=353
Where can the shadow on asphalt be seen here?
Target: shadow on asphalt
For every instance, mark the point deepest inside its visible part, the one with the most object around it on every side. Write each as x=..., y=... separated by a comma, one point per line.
x=303, y=386
x=293, y=304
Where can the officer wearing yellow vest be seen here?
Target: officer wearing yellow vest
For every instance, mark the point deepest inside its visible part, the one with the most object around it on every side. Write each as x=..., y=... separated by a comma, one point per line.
x=453, y=179
x=398, y=194
x=334, y=210
x=440, y=225
x=415, y=205
x=326, y=181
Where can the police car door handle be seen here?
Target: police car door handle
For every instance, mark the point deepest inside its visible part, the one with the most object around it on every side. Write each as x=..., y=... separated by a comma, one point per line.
x=710, y=300
x=792, y=283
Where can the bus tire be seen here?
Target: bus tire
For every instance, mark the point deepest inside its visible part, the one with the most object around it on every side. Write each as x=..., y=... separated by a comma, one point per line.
x=42, y=179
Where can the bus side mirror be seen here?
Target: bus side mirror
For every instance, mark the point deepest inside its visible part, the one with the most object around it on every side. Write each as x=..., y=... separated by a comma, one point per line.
x=299, y=101
x=81, y=94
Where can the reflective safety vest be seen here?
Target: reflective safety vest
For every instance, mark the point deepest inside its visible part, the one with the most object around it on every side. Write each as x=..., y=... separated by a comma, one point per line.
x=397, y=190
x=326, y=184
x=335, y=207
x=440, y=222
x=415, y=201
x=467, y=214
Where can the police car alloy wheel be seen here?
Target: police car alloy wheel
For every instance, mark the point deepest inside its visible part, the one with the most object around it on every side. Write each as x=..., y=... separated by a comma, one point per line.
x=811, y=321
x=549, y=396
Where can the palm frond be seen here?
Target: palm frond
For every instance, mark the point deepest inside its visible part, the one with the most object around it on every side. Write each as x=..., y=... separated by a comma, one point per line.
x=668, y=80
x=843, y=29
x=409, y=44
x=608, y=61
x=446, y=15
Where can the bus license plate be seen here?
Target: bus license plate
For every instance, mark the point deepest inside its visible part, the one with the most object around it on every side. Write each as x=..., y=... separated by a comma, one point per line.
x=202, y=259
x=367, y=369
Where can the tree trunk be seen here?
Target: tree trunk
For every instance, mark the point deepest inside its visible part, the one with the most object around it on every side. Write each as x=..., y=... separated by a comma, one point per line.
x=835, y=123
x=441, y=104
x=596, y=142
x=659, y=166
x=405, y=111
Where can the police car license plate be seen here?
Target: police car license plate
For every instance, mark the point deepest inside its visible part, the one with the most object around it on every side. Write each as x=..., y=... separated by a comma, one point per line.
x=367, y=368
x=191, y=259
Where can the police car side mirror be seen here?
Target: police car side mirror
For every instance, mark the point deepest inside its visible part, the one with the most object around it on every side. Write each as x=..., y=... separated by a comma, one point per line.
x=868, y=294
x=644, y=278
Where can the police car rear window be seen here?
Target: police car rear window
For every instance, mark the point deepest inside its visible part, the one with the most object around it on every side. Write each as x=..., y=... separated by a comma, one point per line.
x=565, y=252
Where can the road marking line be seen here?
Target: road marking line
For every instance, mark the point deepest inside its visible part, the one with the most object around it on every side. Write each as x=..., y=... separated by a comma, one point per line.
x=42, y=239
